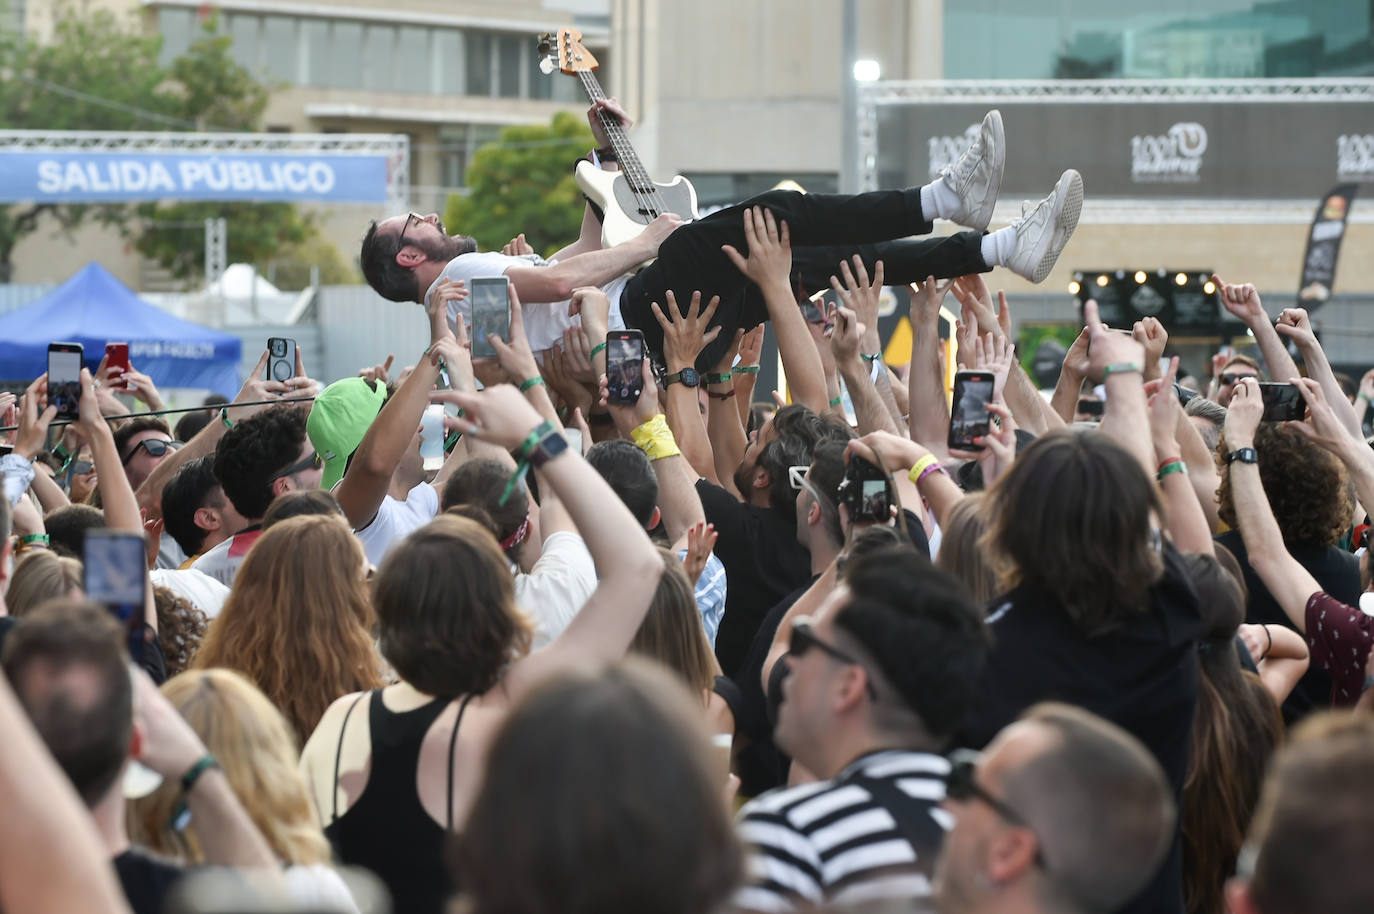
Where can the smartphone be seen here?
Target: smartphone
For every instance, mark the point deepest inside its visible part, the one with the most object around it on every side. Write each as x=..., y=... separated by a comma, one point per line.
x=1090, y=407
x=865, y=492
x=116, y=573
x=574, y=436
x=64, y=378
x=1282, y=402
x=490, y=300
x=970, y=418
x=117, y=356
x=624, y=367
x=281, y=358
x=432, y=437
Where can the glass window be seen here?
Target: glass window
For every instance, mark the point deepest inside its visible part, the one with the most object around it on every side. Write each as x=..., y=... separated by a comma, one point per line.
x=344, y=66
x=1166, y=39
x=281, y=55
x=477, y=46
x=243, y=29
x=315, y=52
x=509, y=58
x=413, y=61
x=379, y=57
x=178, y=28
x=448, y=60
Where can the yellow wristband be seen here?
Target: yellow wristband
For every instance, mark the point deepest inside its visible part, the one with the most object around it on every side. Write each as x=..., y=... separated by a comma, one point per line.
x=656, y=439
x=918, y=469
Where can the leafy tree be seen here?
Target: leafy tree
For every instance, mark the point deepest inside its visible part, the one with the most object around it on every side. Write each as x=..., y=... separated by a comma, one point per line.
x=524, y=183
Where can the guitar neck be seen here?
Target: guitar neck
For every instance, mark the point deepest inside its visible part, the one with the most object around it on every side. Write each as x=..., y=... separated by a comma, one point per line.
x=615, y=131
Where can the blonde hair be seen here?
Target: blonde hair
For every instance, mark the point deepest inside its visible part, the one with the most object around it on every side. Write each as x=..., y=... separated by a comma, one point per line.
x=963, y=548
x=672, y=632
x=41, y=576
x=254, y=746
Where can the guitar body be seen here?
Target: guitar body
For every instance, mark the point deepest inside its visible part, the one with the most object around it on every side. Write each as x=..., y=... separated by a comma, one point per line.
x=624, y=219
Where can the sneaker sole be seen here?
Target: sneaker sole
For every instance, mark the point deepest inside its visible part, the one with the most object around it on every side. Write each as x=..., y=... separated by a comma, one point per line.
x=980, y=219
x=1067, y=206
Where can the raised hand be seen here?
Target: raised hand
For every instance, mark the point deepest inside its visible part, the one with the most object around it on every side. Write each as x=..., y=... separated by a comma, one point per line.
x=926, y=298
x=751, y=347
x=1108, y=348
x=1243, y=414
x=1297, y=326
x=701, y=539
x=36, y=414
x=972, y=293
x=517, y=246
x=1240, y=299
x=378, y=373
x=844, y=340
x=498, y=414
x=995, y=354
x=1164, y=412
x=684, y=336
x=770, y=248
x=1321, y=426
x=858, y=293
x=1151, y=334
x=515, y=357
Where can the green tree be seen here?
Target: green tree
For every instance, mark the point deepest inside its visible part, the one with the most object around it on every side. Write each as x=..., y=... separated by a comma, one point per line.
x=524, y=183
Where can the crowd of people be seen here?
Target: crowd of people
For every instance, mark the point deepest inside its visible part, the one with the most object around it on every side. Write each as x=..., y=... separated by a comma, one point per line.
x=709, y=654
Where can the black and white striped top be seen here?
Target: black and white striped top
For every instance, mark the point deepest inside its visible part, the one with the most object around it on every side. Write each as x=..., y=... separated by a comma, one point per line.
x=834, y=841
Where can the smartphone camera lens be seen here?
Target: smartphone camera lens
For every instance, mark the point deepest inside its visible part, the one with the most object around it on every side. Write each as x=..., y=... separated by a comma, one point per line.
x=279, y=347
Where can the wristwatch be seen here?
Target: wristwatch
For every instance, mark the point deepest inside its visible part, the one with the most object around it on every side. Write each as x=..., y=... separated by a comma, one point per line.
x=549, y=447
x=1244, y=455
x=688, y=377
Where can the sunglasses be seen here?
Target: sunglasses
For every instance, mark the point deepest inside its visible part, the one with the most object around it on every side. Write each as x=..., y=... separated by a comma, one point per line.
x=155, y=447
x=961, y=784
x=82, y=467
x=411, y=219
x=804, y=639
x=310, y=461
x=1230, y=377
x=797, y=476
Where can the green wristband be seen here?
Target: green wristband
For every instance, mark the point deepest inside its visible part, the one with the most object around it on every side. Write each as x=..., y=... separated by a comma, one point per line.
x=35, y=539
x=1173, y=466
x=531, y=383
x=836, y=401
x=224, y=417
x=1121, y=368
x=599, y=347
x=745, y=369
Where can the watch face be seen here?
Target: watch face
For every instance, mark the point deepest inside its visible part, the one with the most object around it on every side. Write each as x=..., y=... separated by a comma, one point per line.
x=690, y=377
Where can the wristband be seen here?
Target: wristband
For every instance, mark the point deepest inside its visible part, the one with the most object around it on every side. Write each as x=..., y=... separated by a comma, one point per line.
x=34, y=539
x=1270, y=647
x=224, y=417
x=181, y=815
x=1171, y=466
x=725, y=395
x=870, y=359
x=1121, y=368
x=745, y=369
x=712, y=377
x=522, y=453
x=599, y=347
x=656, y=439
x=1361, y=395
x=836, y=401
x=921, y=467
x=531, y=383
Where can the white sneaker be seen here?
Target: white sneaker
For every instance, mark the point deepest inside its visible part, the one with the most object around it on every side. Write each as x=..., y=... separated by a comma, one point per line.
x=977, y=175
x=1044, y=229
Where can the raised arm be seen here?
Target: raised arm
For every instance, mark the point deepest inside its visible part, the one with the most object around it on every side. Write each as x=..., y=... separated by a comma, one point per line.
x=627, y=563
x=929, y=416
x=1064, y=402
x=1294, y=324
x=1288, y=581
x=724, y=426
x=1117, y=359
x=1244, y=302
x=590, y=268
x=869, y=411
x=1325, y=429
x=1188, y=524
x=1021, y=395
x=862, y=295
x=589, y=236
x=769, y=265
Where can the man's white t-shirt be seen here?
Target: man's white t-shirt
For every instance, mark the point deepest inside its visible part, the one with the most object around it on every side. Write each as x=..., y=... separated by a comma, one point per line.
x=557, y=587
x=544, y=321
x=396, y=519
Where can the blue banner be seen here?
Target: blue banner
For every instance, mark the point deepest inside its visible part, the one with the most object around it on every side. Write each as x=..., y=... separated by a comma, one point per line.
x=109, y=177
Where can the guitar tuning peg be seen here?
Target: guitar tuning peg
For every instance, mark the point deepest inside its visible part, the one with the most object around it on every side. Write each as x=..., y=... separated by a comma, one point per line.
x=546, y=65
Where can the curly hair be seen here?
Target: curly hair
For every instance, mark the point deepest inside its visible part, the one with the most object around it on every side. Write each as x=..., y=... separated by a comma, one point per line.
x=252, y=451
x=297, y=621
x=180, y=629
x=1306, y=485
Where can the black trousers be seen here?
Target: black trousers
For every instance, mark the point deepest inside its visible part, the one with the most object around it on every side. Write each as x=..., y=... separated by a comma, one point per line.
x=825, y=230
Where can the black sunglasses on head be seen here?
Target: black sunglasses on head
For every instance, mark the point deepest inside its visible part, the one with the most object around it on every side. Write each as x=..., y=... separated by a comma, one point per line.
x=804, y=638
x=155, y=447
x=310, y=461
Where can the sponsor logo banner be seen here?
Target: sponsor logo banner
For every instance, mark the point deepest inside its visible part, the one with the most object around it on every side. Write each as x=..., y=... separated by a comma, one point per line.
x=1324, y=246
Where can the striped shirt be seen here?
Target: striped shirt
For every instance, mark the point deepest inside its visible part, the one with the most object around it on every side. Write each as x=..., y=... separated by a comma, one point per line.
x=836, y=842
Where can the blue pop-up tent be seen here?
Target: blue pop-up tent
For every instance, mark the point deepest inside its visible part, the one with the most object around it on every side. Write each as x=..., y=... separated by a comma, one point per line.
x=94, y=308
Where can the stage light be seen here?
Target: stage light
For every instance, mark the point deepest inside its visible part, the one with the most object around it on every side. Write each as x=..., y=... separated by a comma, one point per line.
x=1102, y=279
x=1074, y=287
x=1209, y=287
x=1181, y=279
x=867, y=71
x=1139, y=276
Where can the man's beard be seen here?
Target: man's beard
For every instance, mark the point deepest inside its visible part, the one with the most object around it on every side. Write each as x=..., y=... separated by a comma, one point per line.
x=448, y=247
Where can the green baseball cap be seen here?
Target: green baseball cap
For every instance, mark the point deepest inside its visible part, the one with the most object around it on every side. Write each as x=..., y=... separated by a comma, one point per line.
x=339, y=418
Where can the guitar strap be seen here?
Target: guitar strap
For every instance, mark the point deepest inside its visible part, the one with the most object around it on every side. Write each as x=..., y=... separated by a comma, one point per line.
x=914, y=821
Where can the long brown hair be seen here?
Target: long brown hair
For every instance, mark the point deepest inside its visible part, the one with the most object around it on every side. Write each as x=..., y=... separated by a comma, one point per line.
x=1071, y=521
x=297, y=620
x=672, y=632
x=963, y=548
x=1236, y=729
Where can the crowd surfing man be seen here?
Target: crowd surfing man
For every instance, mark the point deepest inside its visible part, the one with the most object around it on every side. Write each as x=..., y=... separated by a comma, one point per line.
x=409, y=257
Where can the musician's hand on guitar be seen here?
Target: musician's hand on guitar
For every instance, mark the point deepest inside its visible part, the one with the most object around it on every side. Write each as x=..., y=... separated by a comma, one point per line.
x=770, y=248
x=685, y=336
x=611, y=107
x=656, y=232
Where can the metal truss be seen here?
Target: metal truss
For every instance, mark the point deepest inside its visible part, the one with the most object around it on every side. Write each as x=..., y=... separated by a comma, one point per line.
x=1113, y=91
x=395, y=147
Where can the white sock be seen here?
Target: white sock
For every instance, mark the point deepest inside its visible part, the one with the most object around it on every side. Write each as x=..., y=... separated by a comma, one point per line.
x=998, y=246
x=938, y=200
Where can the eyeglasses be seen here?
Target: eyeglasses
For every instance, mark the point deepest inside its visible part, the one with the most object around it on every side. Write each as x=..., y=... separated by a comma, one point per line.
x=411, y=219
x=82, y=467
x=961, y=784
x=310, y=461
x=804, y=638
x=155, y=447
x=1230, y=377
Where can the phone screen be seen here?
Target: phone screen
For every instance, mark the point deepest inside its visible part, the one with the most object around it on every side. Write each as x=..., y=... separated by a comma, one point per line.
x=490, y=314
x=1282, y=402
x=574, y=436
x=624, y=367
x=64, y=378
x=432, y=437
x=115, y=574
x=970, y=418
x=865, y=492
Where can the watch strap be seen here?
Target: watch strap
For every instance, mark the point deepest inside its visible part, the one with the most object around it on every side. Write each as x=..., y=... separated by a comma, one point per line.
x=1242, y=455
x=680, y=377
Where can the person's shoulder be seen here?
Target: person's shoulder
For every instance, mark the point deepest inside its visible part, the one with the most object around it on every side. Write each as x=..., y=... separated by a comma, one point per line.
x=481, y=263
x=777, y=803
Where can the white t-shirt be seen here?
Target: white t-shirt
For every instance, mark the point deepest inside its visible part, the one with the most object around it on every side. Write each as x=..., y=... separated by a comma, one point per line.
x=222, y=562
x=204, y=592
x=544, y=321
x=395, y=519
x=557, y=586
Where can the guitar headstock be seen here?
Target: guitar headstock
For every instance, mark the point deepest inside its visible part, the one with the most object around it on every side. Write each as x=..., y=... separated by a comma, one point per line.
x=566, y=52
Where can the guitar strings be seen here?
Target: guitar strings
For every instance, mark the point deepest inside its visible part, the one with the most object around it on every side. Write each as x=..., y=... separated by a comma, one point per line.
x=646, y=192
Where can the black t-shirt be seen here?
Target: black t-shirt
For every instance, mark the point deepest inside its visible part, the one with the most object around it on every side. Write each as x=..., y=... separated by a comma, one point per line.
x=763, y=563
x=146, y=880
x=1337, y=572
x=1142, y=676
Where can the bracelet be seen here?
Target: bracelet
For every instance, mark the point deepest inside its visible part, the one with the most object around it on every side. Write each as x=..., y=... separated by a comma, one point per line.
x=35, y=539
x=720, y=396
x=1169, y=467
x=531, y=383
x=181, y=815
x=656, y=439
x=745, y=369
x=599, y=347
x=836, y=401
x=1121, y=368
x=1270, y=647
x=870, y=359
x=224, y=417
x=921, y=467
